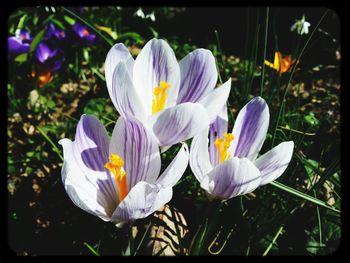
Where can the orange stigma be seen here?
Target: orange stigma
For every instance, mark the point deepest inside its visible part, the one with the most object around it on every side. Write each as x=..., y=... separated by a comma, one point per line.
x=115, y=166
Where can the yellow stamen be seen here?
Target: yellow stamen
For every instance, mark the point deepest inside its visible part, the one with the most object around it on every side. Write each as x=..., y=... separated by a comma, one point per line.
x=115, y=166
x=223, y=145
x=86, y=33
x=159, y=97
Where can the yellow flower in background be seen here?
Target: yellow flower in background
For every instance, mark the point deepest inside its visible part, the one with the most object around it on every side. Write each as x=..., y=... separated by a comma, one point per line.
x=280, y=64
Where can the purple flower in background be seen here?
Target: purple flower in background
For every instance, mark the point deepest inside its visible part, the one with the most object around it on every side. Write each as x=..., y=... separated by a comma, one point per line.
x=83, y=32
x=229, y=166
x=117, y=179
x=54, y=31
x=20, y=43
x=50, y=62
x=44, y=52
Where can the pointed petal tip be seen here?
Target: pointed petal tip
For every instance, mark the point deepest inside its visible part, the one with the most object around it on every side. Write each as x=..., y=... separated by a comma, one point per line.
x=64, y=141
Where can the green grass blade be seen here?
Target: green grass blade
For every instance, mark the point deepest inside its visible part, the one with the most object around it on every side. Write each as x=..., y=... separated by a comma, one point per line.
x=292, y=74
x=265, y=45
x=55, y=148
x=91, y=249
x=304, y=196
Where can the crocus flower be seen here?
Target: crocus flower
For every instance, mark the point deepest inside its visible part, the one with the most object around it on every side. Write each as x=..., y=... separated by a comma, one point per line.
x=54, y=31
x=83, y=32
x=118, y=179
x=301, y=26
x=176, y=100
x=19, y=44
x=49, y=63
x=229, y=166
x=280, y=64
x=44, y=52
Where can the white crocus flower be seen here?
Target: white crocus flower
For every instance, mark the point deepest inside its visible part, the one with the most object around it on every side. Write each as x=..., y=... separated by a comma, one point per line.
x=118, y=179
x=229, y=166
x=175, y=100
x=301, y=26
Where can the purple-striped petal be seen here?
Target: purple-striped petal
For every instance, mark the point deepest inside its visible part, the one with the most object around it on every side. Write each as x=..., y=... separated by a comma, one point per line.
x=115, y=55
x=137, y=146
x=175, y=169
x=216, y=99
x=250, y=129
x=179, y=123
x=155, y=63
x=199, y=156
x=83, y=193
x=198, y=75
x=84, y=161
x=123, y=94
x=232, y=178
x=142, y=200
x=273, y=163
x=216, y=130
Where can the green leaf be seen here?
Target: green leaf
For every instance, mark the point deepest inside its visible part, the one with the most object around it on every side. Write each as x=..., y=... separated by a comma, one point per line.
x=21, y=22
x=37, y=40
x=30, y=154
x=154, y=32
x=311, y=119
x=50, y=104
x=91, y=249
x=69, y=20
x=58, y=23
x=22, y=58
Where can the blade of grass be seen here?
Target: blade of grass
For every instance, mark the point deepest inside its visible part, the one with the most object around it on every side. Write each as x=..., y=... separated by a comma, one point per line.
x=143, y=237
x=291, y=76
x=279, y=232
x=95, y=70
x=304, y=196
x=91, y=249
x=55, y=148
x=265, y=45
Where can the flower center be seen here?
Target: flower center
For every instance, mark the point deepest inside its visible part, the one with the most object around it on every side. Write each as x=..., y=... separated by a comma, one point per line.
x=86, y=33
x=159, y=97
x=223, y=145
x=115, y=166
x=44, y=78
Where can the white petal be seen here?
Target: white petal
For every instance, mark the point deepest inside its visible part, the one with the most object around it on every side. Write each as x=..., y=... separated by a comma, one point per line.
x=175, y=169
x=124, y=96
x=84, y=194
x=216, y=99
x=139, y=149
x=250, y=129
x=156, y=62
x=179, y=123
x=198, y=75
x=141, y=201
x=199, y=156
x=115, y=55
x=273, y=163
x=232, y=178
